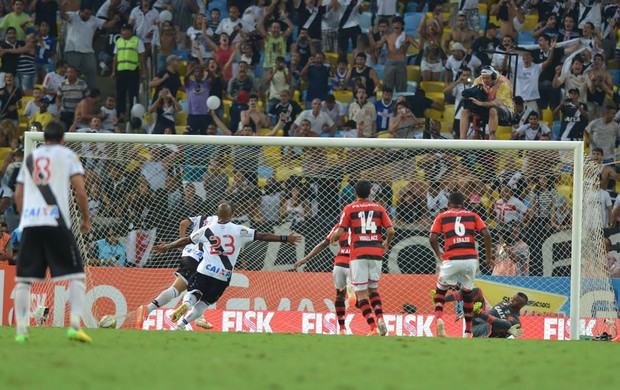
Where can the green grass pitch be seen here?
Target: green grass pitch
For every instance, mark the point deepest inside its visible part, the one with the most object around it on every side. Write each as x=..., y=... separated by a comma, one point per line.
x=128, y=359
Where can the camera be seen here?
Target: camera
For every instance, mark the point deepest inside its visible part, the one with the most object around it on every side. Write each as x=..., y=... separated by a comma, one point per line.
x=569, y=109
x=476, y=92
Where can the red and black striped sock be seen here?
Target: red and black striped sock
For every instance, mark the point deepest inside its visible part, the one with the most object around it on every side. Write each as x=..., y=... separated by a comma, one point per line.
x=468, y=309
x=440, y=299
x=367, y=313
x=340, y=311
x=375, y=302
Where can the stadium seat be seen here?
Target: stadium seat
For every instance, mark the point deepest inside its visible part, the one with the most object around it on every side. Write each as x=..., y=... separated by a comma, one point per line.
x=272, y=156
x=179, y=129
x=530, y=22
x=181, y=119
x=265, y=172
x=332, y=58
x=365, y=21
x=547, y=115
x=412, y=21
x=433, y=114
x=343, y=96
x=483, y=21
x=379, y=69
x=414, y=73
x=182, y=68
x=432, y=86
x=411, y=7
x=526, y=37
x=615, y=75
x=438, y=97
x=181, y=53
x=483, y=8
x=504, y=132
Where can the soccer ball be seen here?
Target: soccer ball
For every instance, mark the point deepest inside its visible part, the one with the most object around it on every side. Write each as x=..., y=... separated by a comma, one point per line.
x=213, y=102
x=41, y=314
x=107, y=321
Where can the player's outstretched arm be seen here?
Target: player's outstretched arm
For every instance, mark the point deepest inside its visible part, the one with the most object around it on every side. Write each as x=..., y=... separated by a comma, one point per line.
x=498, y=323
x=171, y=245
x=488, y=247
x=315, y=251
x=292, y=238
x=434, y=241
x=390, y=232
x=336, y=236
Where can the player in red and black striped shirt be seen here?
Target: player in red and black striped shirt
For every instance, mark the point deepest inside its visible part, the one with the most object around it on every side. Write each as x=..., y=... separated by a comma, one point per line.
x=365, y=220
x=459, y=258
x=340, y=273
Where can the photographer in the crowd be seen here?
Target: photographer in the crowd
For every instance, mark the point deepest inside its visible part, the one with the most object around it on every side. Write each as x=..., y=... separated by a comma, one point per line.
x=498, y=108
x=462, y=81
x=574, y=116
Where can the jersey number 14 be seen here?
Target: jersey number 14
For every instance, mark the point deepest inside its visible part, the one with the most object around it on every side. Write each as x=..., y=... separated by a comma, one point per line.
x=368, y=225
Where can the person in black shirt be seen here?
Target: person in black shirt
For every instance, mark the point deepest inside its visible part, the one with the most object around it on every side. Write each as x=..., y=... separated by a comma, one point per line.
x=486, y=43
x=169, y=78
x=309, y=18
x=287, y=109
x=549, y=96
x=9, y=61
x=45, y=11
x=502, y=321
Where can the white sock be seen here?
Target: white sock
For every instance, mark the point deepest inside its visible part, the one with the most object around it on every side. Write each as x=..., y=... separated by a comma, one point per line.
x=22, y=307
x=77, y=291
x=190, y=299
x=196, y=312
x=162, y=299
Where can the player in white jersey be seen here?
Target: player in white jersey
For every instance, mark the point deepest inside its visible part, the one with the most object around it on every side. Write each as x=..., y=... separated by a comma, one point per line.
x=222, y=241
x=190, y=258
x=42, y=196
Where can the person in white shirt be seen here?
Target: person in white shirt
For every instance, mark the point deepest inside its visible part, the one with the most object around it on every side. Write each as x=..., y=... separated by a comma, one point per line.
x=364, y=114
x=329, y=26
x=458, y=59
x=320, y=121
x=233, y=26
x=222, y=241
x=509, y=208
x=528, y=74
x=53, y=80
x=42, y=196
x=144, y=20
x=532, y=130
x=81, y=28
x=502, y=61
x=334, y=109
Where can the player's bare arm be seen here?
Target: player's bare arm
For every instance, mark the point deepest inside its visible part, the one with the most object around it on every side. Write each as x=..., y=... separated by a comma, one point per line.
x=315, y=251
x=336, y=236
x=434, y=241
x=186, y=223
x=77, y=181
x=292, y=238
x=488, y=247
x=390, y=232
x=181, y=242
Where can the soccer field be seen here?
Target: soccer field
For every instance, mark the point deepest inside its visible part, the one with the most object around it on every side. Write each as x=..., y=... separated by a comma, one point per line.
x=127, y=359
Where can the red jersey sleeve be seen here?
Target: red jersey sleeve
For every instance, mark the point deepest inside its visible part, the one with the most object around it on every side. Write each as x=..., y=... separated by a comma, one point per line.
x=436, y=228
x=345, y=218
x=329, y=236
x=385, y=219
x=480, y=223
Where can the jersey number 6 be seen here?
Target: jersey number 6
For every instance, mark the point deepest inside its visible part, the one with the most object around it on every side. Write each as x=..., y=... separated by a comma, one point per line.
x=459, y=228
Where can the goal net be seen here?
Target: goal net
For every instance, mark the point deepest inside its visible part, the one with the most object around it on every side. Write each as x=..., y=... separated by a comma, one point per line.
x=532, y=196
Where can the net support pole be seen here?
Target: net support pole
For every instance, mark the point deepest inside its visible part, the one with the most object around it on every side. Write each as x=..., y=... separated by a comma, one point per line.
x=575, y=272
x=29, y=142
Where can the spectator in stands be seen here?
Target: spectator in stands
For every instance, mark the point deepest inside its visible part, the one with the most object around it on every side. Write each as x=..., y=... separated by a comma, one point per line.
x=222, y=126
x=9, y=134
x=547, y=27
x=253, y=115
x=45, y=50
x=532, y=130
x=512, y=255
x=486, y=44
x=169, y=78
x=167, y=43
x=549, y=96
x=363, y=47
x=33, y=105
x=604, y=133
x=198, y=91
x=411, y=206
x=377, y=35
x=144, y=19
x=309, y=18
x=81, y=28
x=239, y=90
x=574, y=116
x=458, y=59
x=166, y=107
x=404, y=124
x=286, y=110
x=109, y=251
x=278, y=79
x=510, y=16
x=275, y=39
x=87, y=109
x=215, y=183
x=199, y=50
x=294, y=207
x=469, y=8
x=527, y=76
x=433, y=57
x=26, y=65
x=17, y=19
x=10, y=59
x=509, y=208
x=304, y=47
x=329, y=26
x=384, y=108
x=215, y=20
x=418, y=103
x=271, y=201
x=504, y=60
x=461, y=34
x=191, y=204
x=42, y=115
x=319, y=121
x=339, y=76
x=6, y=244
x=463, y=80
x=10, y=99
x=109, y=117
x=363, y=76
x=109, y=8
x=235, y=27
x=128, y=67
x=602, y=87
x=521, y=114
x=569, y=31
x=364, y=114
x=45, y=12
x=318, y=72
x=53, y=80
x=543, y=205
x=114, y=187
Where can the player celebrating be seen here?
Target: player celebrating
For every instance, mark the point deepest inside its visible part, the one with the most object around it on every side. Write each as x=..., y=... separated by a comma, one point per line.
x=42, y=196
x=460, y=259
x=190, y=258
x=502, y=321
x=222, y=241
x=364, y=220
x=340, y=273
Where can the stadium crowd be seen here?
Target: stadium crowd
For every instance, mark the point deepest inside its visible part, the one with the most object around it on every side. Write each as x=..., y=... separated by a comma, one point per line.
x=315, y=68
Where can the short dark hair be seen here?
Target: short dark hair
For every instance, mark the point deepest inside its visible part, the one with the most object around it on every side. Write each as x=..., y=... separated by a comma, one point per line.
x=330, y=98
x=11, y=28
x=398, y=19
x=61, y=63
x=546, y=37
x=523, y=296
x=533, y=113
x=599, y=150
x=362, y=188
x=361, y=55
x=94, y=93
x=54, y=131
x=383, y=21
x=456, y=199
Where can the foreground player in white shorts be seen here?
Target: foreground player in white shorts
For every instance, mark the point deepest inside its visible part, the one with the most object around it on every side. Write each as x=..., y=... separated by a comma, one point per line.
x=341, y=273
x=222, y=241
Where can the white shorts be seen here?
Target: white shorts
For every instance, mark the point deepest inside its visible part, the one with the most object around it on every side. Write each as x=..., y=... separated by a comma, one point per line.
x=451, y=271
x=341, y=277
x=436, y=67
x=365, y=273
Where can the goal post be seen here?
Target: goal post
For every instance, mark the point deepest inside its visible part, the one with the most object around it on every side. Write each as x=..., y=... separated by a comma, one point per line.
x=412, y=177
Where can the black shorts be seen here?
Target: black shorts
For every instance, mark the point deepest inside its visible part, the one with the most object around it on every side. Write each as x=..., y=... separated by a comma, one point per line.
x=187, y=268
x=210, y=288
x=48, y=246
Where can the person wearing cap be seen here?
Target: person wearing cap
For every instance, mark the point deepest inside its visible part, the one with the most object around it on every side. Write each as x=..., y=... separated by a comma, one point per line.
x=81, y=28
x=486, y=44
x=127, y=67
x=458, y=59
x=43, y=116
x=461, y=33
x=168, y=78
x=499, y=102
